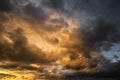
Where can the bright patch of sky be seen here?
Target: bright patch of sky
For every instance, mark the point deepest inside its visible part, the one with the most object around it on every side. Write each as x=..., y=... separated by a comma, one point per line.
x=113, y=54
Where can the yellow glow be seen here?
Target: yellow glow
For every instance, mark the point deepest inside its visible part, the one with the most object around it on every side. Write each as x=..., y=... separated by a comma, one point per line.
x=16, y=75
x=44, y=40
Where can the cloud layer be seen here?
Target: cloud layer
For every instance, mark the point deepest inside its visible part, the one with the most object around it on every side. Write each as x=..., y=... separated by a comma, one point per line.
x=73, y=33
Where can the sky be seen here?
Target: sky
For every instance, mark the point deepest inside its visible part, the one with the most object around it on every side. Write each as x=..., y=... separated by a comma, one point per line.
x=78, y=35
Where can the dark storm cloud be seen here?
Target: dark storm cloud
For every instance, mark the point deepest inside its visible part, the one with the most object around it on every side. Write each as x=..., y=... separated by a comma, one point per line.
x=95, y=36
x=20, y=50
x=5, y=5
x=35, y=12
x=109, y=9
x=54, y=4
x=112, y=73
x=101, y=33
x=30, y=10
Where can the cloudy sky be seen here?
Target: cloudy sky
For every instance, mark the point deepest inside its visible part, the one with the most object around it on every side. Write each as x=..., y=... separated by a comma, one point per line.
x=79, y=35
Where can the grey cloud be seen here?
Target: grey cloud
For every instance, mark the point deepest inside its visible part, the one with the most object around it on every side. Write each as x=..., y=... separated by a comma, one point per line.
x=5, y=6
x=56, y=4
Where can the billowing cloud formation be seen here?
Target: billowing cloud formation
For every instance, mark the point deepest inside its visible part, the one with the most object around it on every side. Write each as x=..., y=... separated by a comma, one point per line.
x=44, y=31
x=14, y=46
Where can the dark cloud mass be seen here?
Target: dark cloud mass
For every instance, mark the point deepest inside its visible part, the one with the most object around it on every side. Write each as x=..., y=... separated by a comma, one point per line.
x=56, y=4
x=20, y=50
x=52, y=23
x=5, y=5
x=36, y=13
x=102, y=33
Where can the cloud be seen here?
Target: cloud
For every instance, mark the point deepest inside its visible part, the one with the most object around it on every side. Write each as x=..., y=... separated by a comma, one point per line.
x=101, y=33
x=5, y=6
x=56, y=4
x=90, y=40
x=35, y=12
x=111, y=73
x=9, y=66
x=19, y=50
x=78, y=45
